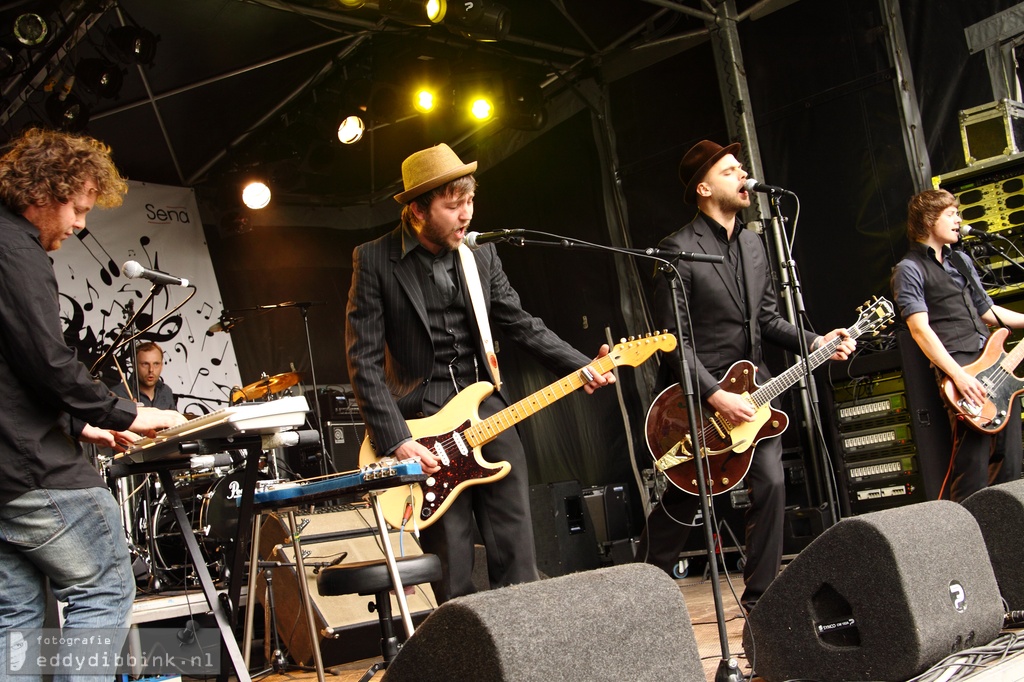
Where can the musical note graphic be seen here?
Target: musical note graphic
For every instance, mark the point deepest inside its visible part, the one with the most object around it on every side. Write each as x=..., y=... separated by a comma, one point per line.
x=203, y=372
x=216, y=361
x=204, y=307
x=90, y=289
x=107, y=271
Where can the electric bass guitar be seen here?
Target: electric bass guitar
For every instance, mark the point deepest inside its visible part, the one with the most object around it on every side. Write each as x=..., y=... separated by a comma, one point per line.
x=994, y=369
x=728, y=447
x=456, y=434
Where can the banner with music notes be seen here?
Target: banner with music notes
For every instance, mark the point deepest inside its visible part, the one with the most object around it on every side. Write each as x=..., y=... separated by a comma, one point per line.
x=159, y=227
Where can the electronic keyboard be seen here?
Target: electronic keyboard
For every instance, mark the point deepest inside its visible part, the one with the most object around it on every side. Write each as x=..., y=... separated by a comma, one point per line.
x=247, y=418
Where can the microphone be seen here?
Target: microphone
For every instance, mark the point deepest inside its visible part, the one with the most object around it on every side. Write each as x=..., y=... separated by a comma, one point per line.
x=753, y=185
x=132, y=270
x=968, y=231
x=685, y=255
x=286, y=439
x=475, y=240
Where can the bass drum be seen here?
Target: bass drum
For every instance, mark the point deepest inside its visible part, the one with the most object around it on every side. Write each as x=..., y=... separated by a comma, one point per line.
x=218, y=518
x=213, y=511
x=168, y=556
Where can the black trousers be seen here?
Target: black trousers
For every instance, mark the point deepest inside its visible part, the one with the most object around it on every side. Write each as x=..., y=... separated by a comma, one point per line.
x=499, y=512
x=663, y=537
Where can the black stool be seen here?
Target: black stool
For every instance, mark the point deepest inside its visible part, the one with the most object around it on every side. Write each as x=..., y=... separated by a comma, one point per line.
x=372, y=578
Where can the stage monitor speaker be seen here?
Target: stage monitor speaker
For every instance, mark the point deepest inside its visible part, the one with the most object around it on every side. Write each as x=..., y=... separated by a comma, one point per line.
x=999, y=511
x=619, y=623
x=880, y=596
x=320, y=535
x=562, y=529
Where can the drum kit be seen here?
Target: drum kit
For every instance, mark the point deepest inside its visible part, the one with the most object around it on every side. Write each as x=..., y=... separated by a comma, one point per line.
x=209, y=497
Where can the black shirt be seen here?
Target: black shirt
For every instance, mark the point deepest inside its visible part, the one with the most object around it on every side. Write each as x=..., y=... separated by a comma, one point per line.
x=41, y=378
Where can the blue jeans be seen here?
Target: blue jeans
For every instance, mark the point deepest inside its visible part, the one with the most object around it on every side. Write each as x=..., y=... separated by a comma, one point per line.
x=77, y=540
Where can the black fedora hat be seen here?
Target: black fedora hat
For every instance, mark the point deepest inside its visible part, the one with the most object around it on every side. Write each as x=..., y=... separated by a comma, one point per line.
x=698, y=161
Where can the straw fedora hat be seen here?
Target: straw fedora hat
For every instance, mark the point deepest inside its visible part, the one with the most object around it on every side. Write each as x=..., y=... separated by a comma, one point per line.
x=698, y=161
x=428, y=169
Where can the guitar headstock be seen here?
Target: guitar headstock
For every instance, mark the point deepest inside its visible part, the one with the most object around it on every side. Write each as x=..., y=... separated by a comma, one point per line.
x=874, y=315
x=634, y=350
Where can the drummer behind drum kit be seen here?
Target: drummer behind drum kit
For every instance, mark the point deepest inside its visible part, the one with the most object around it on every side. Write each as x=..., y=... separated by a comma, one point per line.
x=209, y=495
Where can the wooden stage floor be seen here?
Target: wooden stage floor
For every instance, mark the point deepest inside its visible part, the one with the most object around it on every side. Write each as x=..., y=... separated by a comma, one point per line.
x=700, y=604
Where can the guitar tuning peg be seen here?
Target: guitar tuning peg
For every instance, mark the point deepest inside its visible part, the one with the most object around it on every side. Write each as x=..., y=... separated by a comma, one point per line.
x=622, y=340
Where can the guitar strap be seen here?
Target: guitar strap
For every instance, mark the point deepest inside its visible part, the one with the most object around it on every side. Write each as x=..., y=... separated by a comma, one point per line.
x=959, y=262
x=476, y=298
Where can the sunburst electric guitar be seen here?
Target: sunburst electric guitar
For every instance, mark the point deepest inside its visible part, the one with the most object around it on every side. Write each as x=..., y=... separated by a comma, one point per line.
x=456, y=434
x=728, y=447
x=994, y=369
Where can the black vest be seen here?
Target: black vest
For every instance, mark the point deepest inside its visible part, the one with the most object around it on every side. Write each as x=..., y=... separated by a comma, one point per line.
x=951, y=312
x=454, y=342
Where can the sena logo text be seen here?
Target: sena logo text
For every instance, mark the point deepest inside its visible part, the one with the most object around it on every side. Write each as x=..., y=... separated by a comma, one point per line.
x=169, y=214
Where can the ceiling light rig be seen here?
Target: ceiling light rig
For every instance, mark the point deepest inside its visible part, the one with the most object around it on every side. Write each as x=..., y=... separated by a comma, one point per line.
x=414, y=12
x=30, y=29
x=132, y=45
x=480, y=20
x=99, y=77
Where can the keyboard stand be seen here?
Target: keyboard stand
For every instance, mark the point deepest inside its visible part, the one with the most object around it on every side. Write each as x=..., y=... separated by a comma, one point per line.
x=225, y=611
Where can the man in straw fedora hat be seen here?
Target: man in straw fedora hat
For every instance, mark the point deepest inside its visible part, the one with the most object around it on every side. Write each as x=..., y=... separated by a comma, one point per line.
x=733, y=309
x=415, y=339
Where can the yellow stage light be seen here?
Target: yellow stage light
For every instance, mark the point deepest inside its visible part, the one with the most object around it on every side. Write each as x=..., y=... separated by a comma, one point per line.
x=351, y=130
x=481, y=108
x=424, y=101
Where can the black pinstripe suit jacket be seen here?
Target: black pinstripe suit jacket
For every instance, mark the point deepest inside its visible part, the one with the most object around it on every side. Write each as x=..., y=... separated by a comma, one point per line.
x=388, y=343
x=715, y=306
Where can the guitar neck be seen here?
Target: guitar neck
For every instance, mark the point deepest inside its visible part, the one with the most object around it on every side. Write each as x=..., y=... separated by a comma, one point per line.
x=489, y=429
x=1013, y=358
x=776, y=386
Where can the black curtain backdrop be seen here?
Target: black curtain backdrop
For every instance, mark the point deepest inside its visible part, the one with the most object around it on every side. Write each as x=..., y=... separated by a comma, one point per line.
x=823, y=96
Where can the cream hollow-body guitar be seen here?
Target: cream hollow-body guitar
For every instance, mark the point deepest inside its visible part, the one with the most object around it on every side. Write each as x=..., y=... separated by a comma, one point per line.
x=995, y=370
x=456, y=434
x=729, y=447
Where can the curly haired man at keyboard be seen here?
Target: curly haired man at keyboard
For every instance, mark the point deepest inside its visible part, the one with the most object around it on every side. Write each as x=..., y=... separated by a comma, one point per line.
x=57, y=520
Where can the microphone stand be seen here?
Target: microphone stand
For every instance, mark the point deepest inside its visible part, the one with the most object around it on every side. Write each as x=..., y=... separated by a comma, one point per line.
x=728, y=668
x=303, y=307
x=790, y=283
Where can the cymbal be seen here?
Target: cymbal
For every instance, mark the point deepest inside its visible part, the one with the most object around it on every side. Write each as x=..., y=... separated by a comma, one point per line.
x=265, y=386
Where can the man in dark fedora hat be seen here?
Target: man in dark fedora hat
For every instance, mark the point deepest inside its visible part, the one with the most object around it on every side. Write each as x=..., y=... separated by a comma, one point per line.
x=414, y=339
x=733, y=309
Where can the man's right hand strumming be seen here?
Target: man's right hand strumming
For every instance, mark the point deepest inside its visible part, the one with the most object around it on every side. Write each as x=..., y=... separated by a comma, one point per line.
x=412, y=450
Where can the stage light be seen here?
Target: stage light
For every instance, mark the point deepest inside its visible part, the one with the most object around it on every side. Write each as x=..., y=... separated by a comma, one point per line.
x=480, y=20
x=8, y=60
x=99, y=77
x=132, y=45
x=31, y=30
x=351, y=4
x=351, y=130
x=481, y=108
x=256, y=195
x=424, y=100
x=414, y=12
x=67, y=112
x=524, y=105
